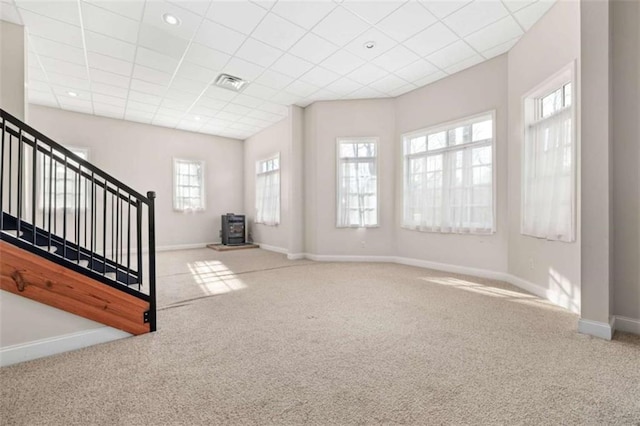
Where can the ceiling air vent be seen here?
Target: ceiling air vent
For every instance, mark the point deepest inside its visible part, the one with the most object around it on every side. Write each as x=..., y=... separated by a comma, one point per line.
x=230, y=82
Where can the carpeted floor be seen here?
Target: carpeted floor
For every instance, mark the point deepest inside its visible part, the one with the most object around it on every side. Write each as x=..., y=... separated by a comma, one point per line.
x=248, y=337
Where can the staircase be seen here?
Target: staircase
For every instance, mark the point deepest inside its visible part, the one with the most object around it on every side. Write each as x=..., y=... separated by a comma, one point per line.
x=71, y=235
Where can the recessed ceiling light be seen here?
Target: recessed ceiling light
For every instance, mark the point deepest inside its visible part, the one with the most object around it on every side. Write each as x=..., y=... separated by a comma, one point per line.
x=171, y=19
x=230, y=82
x=197, y=118
x=72, y=94
x=369, y=44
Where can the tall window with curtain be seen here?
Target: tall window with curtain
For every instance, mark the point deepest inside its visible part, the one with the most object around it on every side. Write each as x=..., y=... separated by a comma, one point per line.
x=357, y=183
x=188, y=185
x=268, y=191
x=449, y=177
x=548, y=201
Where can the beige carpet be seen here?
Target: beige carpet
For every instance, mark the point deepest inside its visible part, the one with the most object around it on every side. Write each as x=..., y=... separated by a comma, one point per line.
x=248, y=337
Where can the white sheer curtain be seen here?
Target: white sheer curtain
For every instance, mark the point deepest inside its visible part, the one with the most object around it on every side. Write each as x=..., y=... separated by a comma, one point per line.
x=357, y=184
x=548, y=184
x=268, y=197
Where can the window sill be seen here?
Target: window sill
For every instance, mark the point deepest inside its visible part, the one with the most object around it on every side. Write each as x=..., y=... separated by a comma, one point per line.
x=465, y=231
x=357, y=226
x=187, y=211
x=267, y=224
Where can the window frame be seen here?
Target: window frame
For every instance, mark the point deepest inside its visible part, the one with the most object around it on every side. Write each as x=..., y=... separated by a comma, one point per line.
x=531, y=104
x=44, y=163
x=358, y=139
x=446, y=126
x=258, y=173
x=203, y=194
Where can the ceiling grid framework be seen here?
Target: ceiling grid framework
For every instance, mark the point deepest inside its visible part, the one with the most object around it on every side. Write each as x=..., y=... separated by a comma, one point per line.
x=120, y=59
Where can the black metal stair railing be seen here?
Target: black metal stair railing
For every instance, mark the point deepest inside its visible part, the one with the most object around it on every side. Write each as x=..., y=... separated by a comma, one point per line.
x=60, y=206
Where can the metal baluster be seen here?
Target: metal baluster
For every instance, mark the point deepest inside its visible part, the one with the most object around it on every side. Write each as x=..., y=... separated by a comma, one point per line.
x=139, y=239
x=128, y=237
x=51, y=182
x=78, y=208
x=10, y=168
x=64, y=211
x=152, y=261
x=117, y=224
x=104, y=229
x=44, y=188
x=34, y=158
x=2, y=176
x=19, y=205
x=113, y=237
x=93, y=210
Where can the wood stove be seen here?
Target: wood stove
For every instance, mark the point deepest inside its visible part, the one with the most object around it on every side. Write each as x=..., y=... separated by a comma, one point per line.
x=233, y=229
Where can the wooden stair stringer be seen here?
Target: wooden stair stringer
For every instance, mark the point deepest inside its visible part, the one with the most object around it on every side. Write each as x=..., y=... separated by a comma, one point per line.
x=29, y=275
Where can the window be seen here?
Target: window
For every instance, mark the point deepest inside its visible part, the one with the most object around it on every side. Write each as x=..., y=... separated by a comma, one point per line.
x=55, y=194
x=548, y=201
x=448, y=177
x=357, y=183
x=188, y=185
x=268, y=191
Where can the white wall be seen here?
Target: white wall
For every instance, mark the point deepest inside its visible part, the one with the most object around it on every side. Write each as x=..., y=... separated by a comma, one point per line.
x=273, y=140
x=551, y=44
x=626, y=158
x=13, y=68
x=324, y=123
x=475, y=90
x=141, y=156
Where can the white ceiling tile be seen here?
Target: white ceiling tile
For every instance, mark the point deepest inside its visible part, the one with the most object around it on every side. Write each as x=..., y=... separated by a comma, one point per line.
x=365, y=93
x=64, y=11
x=274, y=108
x=196, y=72
x=243, y=69
x=406, y=21
x=342, y=62
x=240, y=15
x=204, y=112
x=188, y=86
x=68, y=81
x=228, y=116
x=303, y=103
x=141, y=107
x=303, y=13
x=63, y=67
x=189, y=21
x=178, y=105
x=179, y=95
x=469, y=62
x=67, y=101
x=263, y=115
x=368, y=73
x=254, y=122
x=199, y=7
x=107, y=89
x=36, y=73
x=432, y=39
x=9, y=13
x=220, y=94
x=257, y=52
x=274, y=79
x=292, y=66
x=204, y=56
x=237, y=109
x=218, y=37
x=452, y=54
x=442, y=8
x=340, y=26
x=109, y=46
x=382, y=44
x=313, y=48
x=500, y=49
x=109, y=100
x=211, y=103
x=151, y=76
x=515, y=5
x=42, y=98
x=109, y=78
x=438, y=75
x=146, y=87
x=285, y=98
x=388, y=83
x=165, y=120
x=53, y=49
x=62, y=90
x=161, y=41
x=372, y=11
x=130, y=8
x=302, y=89
x=105, y=22
x=416, y=70
x=259, y=91
x=491, y=36
x=344, y=85
x=138, y=116
x=396, y=58
x=475, y=15
x=155, y=60
x=173, y=113
x=247, y=100
x=107, y=63
x=320, y=76
x=144, y=98
x=402, y=90
x=40, y=86
x=531, y=14
x=278, y=32
x=51, y=29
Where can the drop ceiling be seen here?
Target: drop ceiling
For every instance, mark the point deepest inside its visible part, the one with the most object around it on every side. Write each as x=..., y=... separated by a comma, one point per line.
x=122, y=60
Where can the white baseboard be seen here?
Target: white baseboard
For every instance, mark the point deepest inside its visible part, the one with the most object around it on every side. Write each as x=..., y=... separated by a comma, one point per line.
x=348, y=258
x=59, y=344
x=273, y=248
x=455, y=269
x=599, y=329
x=184, y=246
x=296, y=256
x=626, y=324
x=552, y=296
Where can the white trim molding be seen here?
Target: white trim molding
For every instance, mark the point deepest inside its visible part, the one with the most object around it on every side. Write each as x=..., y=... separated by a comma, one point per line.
x=599, y=329
x=275, y=249
x=628, y=325
x=55, y=345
